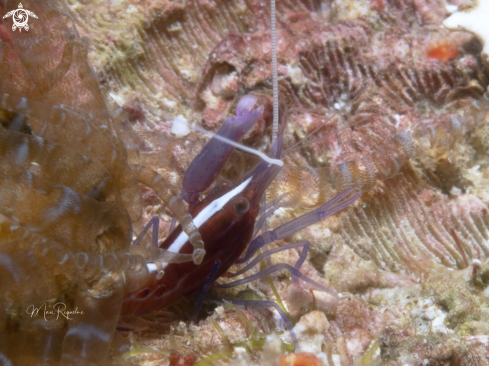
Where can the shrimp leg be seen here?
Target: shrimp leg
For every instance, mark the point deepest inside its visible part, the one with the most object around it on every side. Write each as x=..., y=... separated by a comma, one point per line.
x=258, y=258
x=269, y=304
x=337, y=203
x=166, y=193
x=207, y=286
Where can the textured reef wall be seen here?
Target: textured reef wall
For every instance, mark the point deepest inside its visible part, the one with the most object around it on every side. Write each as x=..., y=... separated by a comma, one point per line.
x=382, y=97
x=379, y=97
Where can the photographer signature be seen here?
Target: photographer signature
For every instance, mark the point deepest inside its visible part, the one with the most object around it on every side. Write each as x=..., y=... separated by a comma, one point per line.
x=57, y=309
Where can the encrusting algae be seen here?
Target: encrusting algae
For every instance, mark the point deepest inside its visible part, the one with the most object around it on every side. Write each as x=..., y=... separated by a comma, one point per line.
x=376, y=101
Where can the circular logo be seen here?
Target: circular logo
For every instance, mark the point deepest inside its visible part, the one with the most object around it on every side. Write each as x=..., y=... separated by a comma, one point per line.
x=20, y=17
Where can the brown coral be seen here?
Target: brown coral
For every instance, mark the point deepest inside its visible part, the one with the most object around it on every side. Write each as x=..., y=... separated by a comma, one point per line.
x=379, y=112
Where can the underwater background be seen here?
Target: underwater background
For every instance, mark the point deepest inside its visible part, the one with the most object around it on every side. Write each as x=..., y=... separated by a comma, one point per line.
x=379, y=96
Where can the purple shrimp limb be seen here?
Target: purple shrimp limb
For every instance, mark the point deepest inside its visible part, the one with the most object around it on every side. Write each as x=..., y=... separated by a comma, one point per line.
x=277, y=267
x=258, y=258
x=206, y=287
x=331, y=207
x=266, y=206
x=155, y=223
x=208, y=163
x=245, y=105
x=269, y=304
x=270, y=208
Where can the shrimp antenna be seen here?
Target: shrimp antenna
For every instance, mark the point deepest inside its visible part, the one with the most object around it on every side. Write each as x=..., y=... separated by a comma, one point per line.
x=180, y=128
x=239, y=146
x=274, y=73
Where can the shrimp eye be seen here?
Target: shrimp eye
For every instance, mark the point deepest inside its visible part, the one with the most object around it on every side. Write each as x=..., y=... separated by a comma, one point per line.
x=241, y=205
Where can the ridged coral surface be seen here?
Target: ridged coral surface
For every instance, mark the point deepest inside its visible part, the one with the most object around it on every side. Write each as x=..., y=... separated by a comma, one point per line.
x=380, y=97
x=365, y=75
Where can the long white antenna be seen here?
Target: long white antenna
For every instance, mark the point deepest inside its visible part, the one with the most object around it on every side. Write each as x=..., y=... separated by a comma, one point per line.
x=274, y=75
x=180, y=128
x=240, y=146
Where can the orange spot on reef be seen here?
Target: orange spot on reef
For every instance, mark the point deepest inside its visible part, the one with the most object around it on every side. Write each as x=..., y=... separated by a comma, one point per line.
x=300, y=359
x=177, y=360
x=442, y=51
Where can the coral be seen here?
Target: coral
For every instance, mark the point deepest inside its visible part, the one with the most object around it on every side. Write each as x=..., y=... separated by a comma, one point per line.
x=379, y=96
x=400, y=233
x=453, y=293
x=401, y=347
x=376, y=100
x=310, y=329
x=398, y=95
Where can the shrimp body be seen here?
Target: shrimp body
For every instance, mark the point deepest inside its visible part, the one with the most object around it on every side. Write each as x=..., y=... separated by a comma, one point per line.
x=226, y=221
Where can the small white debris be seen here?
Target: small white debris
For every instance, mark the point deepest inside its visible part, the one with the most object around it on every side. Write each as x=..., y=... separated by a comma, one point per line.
x=451, y=8
x=187, y=74
x=220, y=310
x=474, y=169
x=473, y=19
x=175, y=27
x=296, y=75
x=241, y=354
x=168, y=103
x=239, y=351
x=118, y=98
x=398, y=119
x=338, y=105
x=180, y=126
x=455, y=191
x=310, y=331
x=131, y=9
